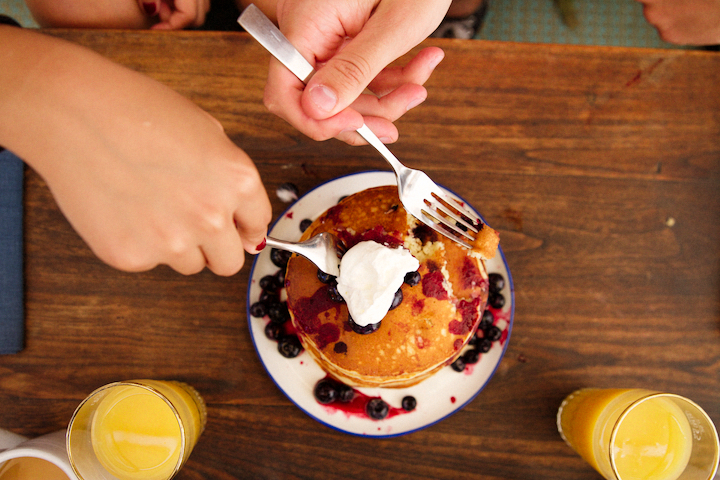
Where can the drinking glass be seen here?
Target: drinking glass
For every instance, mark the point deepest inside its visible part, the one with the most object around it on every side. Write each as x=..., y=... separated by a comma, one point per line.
x=135, y=430
x=629, y=434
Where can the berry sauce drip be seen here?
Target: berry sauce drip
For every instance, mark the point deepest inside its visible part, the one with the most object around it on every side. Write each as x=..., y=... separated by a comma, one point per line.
x=377, y=235
x=338, y=397
x=432, y=285
x=307, y=310
x=487, y=332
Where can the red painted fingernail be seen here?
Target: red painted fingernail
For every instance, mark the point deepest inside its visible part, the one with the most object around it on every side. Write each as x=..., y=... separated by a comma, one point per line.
x=150, y=8
x=261, y=246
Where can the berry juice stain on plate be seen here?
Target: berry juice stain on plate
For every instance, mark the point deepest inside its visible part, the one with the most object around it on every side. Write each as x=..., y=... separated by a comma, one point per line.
x=375, y=412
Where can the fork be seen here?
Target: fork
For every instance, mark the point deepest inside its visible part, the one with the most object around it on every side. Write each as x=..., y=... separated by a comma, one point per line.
x=324, y=250
x=420, y=196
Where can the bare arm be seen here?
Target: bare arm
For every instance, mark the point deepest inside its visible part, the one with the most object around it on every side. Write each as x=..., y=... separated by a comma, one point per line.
x=142, y=174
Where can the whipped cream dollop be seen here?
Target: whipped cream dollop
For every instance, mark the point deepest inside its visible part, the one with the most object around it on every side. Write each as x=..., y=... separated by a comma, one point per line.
x=370, y=274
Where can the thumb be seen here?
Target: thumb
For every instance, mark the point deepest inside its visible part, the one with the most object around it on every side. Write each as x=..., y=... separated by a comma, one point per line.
x=387, y=34
x=340, y=81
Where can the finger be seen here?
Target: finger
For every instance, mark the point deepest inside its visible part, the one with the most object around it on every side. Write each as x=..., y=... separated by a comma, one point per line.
x=283, y=92
x=418, y=70
x=383, y=128
x=125, y=258
x=224, y=253
x=183, y=13
x=393, y=105
x=253, y=214
x=184, y=255
x=149, y=7
x=346, y=74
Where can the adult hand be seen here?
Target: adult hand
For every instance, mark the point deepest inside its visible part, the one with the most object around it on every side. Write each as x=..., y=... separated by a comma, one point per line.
x=350, y=44
x=685, y=22
x=143, y=175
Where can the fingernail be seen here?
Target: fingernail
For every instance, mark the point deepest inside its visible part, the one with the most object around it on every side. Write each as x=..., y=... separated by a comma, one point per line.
x=150, y=8
x=414, y=103
x=261, y=246
x=323, y=97
x=436, y=61
x=385, y=139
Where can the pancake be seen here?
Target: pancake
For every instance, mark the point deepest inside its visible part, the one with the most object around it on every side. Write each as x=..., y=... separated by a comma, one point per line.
x=426, y=331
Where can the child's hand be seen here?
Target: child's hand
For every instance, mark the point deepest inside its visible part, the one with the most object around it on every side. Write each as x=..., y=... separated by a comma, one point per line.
x=176, y=14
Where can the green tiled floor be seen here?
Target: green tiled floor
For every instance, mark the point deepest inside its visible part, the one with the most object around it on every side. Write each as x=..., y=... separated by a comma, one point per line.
x=17, y=10
x=599, y=22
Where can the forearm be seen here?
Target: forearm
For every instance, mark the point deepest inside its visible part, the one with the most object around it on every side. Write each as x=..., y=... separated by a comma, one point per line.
x=143, y=174
x=52, y=93
x=25, y=63
x=89, y=14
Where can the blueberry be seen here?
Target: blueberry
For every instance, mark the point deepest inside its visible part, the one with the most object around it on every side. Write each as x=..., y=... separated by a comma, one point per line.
x=270, y=283
x=496, y=300
x=345, y=393
x=363, y=330
x=377, y=409
x=289, y=346
x=258, y=309
x=325, y=391
x=458, y=365
x=280, y=277
x=273, y=331
x=397, y=299
x=269, y=297
x=493, y=333
x=280, y=257
x=471, y=357
x=497, y=282
x=409, y=403
x=304, y=224
x=484, y=345
x=461, y=226
x=278, y=312
x=412, y=278
x=325, y=277
x=335, y=294
x=487, y=320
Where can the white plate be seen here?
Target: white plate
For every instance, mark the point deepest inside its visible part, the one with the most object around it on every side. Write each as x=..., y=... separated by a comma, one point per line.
x=437, y=397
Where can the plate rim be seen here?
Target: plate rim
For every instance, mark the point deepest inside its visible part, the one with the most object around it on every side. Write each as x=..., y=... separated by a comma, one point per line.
x=455, y=409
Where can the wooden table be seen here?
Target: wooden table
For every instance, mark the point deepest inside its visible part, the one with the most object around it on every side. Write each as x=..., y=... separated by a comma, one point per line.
x=599, y=166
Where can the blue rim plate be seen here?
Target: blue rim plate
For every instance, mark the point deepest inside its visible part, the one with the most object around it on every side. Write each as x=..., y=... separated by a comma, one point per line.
x=438, y=397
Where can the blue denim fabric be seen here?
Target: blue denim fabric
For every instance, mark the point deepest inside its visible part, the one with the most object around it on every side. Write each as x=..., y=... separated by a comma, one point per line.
x=12, y=318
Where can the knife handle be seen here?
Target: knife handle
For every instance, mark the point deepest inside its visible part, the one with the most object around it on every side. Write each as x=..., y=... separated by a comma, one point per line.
x=269, y=36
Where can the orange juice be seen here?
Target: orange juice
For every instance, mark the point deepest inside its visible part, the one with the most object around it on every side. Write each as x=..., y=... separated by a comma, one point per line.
x=31, y=468
x=653, y=441
x=635, y=434
x=139, y=430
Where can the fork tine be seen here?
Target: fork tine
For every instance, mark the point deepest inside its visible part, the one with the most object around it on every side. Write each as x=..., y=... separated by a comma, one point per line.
x=449, y=219
x=471, y=218
x=441, y=207
x=447, y=230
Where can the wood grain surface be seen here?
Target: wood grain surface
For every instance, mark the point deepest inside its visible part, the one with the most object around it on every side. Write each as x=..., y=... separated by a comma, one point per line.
x=599, y=166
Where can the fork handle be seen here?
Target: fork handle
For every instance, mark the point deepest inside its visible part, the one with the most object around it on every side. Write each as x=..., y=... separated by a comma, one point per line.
x=269, y=36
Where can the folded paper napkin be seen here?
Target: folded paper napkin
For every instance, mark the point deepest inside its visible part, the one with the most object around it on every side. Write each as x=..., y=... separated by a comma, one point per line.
x=12, y=327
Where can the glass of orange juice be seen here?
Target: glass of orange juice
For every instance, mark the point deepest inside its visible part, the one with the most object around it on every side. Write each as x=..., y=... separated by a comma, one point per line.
x=636, y=434
x=135, y=430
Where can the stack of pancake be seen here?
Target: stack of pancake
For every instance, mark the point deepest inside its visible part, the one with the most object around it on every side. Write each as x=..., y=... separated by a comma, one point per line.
x=435, y=320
